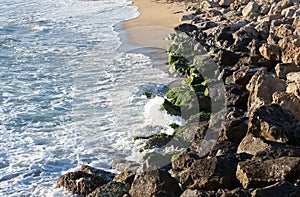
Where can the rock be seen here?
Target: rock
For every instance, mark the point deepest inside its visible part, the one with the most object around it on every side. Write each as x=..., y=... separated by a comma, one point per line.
x=252, y=145
x=296, y=22
x=236, y=96
x=227, y=58
x=251, y=7
x=225, y=3
x=284, y=30
x=239, y=192
x=276, y=151
x=258, y=173
x=264, y=9
x=184, y=161
x=283, y=69
x=238, y=25
x=84, y=181
x=157, y=141
x=188, y=17
x=223, y=36
x=243, y=75
x=288, y=101
x=290, y=50
x=288, y=12
x=270, y=51
x=293, y=80
x=154, y=183
x=111, y=189
x=278, y=189
x=186, y=28
x=275, y=124
x=125, y=177
x=260, y=90
x=122, y=164
x=210, y=174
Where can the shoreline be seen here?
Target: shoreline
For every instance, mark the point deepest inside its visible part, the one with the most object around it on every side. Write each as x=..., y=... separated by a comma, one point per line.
x=149, y=29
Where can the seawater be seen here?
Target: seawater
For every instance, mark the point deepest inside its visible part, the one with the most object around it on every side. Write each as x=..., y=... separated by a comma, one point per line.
x=67, y=95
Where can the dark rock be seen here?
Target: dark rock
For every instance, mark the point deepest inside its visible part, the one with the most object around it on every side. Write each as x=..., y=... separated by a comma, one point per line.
x=111, y=189
x=186, y=28
x=234, y=130
x=125, y=177
x=273, y=123
x=244, y=74
x=184, y=161
x=154, y=183
x=236, y=96
x=270, y=51
x=223, y=36
x=283, y=189
x=210, y=174
x=84, y=181
x=227, y=58
x=258, y=173
x=157, y=141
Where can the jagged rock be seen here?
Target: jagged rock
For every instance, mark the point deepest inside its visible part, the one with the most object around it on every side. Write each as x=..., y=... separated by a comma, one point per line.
x=184, y=161
x=243, y=75
x=260, y=90
x=270, y=51
x=288, y=101
x=251, y=7
x=239, y=192
x=283, y=189
x=260, y=173
x=236, y=96
x=84, y=181
x=293, y=80
x=284, y=30
x=210, y=174
x=154, y=183
x=157, y=141
x=264, y=9
x=296, y=22
x=223, y=36
x=234, y=130
x=283, y=69
x=125, y=177
x=264, y=29
x=275, y=124
x=111, y=189
x=252, y=145
x=227, y=58
x=290, y=50
x=289, y=12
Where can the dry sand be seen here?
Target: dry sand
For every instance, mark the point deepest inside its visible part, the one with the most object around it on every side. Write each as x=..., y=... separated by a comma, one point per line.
x=157, y=19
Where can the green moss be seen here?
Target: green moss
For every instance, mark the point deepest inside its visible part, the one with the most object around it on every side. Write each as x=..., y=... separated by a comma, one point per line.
x=171, y=108
x=200, y=117
x=179, y=96
x=160, y=135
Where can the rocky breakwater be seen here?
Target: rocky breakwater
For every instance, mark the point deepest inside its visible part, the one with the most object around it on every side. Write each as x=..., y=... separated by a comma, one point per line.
x=241, y=102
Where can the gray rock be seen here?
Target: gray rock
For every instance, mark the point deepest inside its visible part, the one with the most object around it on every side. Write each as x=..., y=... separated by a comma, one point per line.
x=283, y=69
x=252, y=145
x=260, y=173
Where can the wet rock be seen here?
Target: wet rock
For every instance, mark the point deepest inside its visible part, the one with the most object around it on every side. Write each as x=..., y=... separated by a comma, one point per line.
x=270, y=51
x=275, y=124
x=258, y=173
x=111, y=189
x=157, y=141
x=288, y=101
x=154, y=183
x=283, y=69
x=251, y=7
x=278, y=189
x=84, y=181
x=210, y=174
x=260, y=90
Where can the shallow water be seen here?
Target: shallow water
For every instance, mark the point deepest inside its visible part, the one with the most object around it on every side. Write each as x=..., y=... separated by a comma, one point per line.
x=68, y=96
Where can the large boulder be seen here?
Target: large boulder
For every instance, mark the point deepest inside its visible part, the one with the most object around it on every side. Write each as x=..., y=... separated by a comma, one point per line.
x=84, y=181
x=252, y=145
x=260, y=173
x=111, y=189
x=154, y=183
x=276, y=124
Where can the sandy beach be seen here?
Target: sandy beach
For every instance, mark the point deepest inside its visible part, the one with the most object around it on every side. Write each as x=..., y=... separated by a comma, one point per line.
x=157, y=19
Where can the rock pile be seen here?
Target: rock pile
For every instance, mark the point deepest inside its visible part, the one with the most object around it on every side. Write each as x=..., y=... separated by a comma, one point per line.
x=255, y=46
